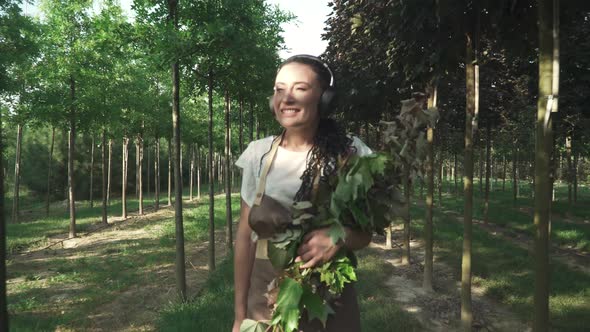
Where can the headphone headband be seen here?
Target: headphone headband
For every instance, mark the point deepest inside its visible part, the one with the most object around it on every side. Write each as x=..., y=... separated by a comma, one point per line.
x=316, y=59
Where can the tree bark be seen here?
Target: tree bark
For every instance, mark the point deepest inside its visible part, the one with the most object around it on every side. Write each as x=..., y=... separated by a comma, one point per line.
x=486, y=207
x=180, y=261
x=251, y=122
x=575, y=177
x=227, y=178
x=137, y=168
x=169, y=172
x=3, y=300
x=192, y=173
x=110, y=168
x=472, y=109
x=157, y=175
x=515, y=187
x=92, y=173
x=407, y=217
x=428, y=228
x=198, y=172
x=481, y=168
x=125, y=158
x=241, y=130
x=140, y=171
x=548, y=23
x=148, y=163
x=71, y=154
x=17, y=163
x=49, y=169
x=455, y=173
x=568, y=151
x=104, y=177
x=504, y=172
x=211, y=181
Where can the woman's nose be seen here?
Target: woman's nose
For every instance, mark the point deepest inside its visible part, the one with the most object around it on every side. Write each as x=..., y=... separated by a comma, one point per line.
x=288, y=96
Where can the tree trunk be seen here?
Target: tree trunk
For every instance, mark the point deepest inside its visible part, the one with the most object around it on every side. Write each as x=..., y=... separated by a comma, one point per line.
x=198, y=172
x=428, y=229
x=481, y=168
x=140, y=171
x=148, y=182
x=504, y=172
x=109, y=170
x=251, y=122
x=211, y=182
x=569, y=177
x=49, y=169
x=515, y=187
x=407, y=232
x=548, y=14
x=17, y=163
x=486, y=207
x=125, y=158
x=92, y=173
x=71, y=154
x=575, y=177
x=137, y=168
x=157, y=175
x=455, y=173
x=440, y=177
x=227, y=178
x=241, y=130
x=104, y=176
x=180, y=262
x=3, y=299
x=472, y=109
x=169, y=172
x=191, y=173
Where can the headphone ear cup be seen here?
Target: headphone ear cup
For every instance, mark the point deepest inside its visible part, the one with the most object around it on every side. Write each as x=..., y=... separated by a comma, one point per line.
x=326, y=100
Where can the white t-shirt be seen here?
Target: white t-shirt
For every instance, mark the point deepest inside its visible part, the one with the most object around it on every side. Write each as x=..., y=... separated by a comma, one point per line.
x=284, y=177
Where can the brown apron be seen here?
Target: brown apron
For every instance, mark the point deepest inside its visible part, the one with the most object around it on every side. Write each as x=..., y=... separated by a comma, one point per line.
x=346, y=317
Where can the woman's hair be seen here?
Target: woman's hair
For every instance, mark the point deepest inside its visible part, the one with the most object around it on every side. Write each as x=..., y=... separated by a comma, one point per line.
x=329, y=142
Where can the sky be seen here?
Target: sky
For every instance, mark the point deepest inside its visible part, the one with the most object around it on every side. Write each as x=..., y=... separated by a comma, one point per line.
x=303, y=35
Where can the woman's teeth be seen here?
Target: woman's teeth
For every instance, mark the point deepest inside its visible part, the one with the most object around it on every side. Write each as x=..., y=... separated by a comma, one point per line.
x=290, y=110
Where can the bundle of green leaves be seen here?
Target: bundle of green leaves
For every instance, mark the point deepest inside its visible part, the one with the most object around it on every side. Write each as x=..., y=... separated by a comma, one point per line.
x=362, y=196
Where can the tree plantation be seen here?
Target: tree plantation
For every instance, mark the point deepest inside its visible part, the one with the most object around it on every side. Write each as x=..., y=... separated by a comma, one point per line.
x=120, y=129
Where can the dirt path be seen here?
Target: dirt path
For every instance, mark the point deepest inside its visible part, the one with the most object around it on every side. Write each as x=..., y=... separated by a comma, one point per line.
x=134, y=308
x=440, y=310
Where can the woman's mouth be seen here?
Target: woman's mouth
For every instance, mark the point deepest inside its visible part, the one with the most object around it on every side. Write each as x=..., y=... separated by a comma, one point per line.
x=289, y=110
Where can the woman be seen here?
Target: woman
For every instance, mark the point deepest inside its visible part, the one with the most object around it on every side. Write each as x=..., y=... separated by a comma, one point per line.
x=310, y=146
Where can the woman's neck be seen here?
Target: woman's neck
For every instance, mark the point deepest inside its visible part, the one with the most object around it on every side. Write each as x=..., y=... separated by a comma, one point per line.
x=298, y=139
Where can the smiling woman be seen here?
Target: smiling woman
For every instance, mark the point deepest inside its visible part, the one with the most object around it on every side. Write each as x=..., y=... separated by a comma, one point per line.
x=279, y=171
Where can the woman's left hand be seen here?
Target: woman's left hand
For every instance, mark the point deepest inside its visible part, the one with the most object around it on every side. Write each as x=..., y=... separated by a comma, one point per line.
x=317, y=248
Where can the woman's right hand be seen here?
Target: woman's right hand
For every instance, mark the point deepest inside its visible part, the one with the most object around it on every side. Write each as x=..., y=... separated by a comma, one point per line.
x=236, y=327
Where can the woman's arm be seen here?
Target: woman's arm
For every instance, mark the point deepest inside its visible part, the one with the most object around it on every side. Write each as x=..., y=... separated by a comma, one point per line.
x=318, y=248
x=244, y=256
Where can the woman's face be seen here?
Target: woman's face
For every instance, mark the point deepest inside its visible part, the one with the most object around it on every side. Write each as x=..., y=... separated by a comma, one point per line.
x=296, y=97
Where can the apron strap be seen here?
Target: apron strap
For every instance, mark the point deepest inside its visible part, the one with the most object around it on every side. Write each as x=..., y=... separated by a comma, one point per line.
x=271, y=156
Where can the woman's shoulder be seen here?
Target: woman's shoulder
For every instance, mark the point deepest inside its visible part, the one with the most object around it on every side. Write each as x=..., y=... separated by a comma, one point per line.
x=261, y=144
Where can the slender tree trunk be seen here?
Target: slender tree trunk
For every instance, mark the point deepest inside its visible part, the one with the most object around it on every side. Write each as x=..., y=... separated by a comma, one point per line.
x=49, y=169
x=241, y=130
x=575, y=177
x=504, y=172
x=472, y=109
x=481, y=168
x=407, y=231
x=428, y=228
x=227, y=178
x=125, y=158
x=140, y=171
x=258, y=128
x=515, y=187
x=169, y=172
x=109, y=171
x=180, y=261
x=71, y=154
x=251, y=122
x=191, y=172
x=440, y=177
x=455, y=173
x=157, y=175
x=103, y=148
x=211, y=181
x=569, y=177
x=548, y=14
x=137, y=168
x=198, y=172
x=17, y=163
x=3, y=302
x=148, y=182
x=92, y=173
x=486, y=207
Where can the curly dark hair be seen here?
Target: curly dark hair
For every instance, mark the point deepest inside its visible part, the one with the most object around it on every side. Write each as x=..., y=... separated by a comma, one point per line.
x=330, y=140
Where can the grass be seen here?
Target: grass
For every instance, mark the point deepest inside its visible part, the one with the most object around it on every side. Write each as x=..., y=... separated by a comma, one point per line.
x=62, y=291
x=213, y=310
x=506, y=272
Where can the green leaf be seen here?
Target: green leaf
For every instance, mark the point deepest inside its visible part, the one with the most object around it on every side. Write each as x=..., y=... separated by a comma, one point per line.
x=316, y=307
x=290, y=292
x=281, y=258
x=249, y=325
